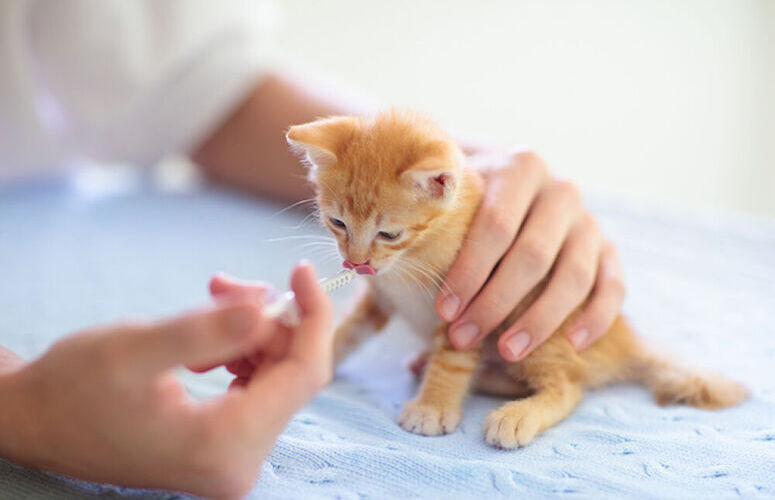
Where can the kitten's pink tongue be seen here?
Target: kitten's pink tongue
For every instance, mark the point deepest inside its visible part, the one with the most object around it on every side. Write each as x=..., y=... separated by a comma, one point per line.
x=365, y=269
x=360, y=268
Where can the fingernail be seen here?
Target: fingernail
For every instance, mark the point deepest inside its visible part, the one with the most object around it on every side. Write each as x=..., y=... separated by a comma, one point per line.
x=449, y=307
x=465, y=334
x=578, y=338
x=240, y=322
x=517, y=344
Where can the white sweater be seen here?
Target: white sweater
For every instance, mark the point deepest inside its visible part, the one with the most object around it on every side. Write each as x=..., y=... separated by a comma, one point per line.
x=119, y=80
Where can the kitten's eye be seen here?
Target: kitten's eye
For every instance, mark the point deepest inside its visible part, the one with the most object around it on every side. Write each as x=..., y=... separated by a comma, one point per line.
x=389, y=236
x=337, y=222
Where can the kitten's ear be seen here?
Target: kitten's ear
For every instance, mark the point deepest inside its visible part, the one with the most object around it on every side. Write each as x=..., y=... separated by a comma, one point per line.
x=432, y=182
x=321, y=141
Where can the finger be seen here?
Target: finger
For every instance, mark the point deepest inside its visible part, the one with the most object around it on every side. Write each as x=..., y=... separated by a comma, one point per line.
x=203, y=368
x=568, y=286
x=508, y=195
x=221, y=285
x=604, y=304
x=202, y=338
x=528, y=261
x=313, y=338
x=225, y=288
x=273, y=348
x=274, y=351
x=258, y=357
x=241, y=368
x=228, y=288
x=239, y=383
x=282, y=389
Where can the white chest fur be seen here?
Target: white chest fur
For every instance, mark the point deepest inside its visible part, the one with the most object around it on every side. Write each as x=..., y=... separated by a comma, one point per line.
x=413, y=303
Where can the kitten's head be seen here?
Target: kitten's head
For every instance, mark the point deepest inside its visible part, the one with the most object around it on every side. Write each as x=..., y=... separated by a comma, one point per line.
x=381, y=182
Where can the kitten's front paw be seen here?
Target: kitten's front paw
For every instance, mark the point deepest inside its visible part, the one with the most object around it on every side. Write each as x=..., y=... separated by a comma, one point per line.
x=428, y=420
x=511, y=427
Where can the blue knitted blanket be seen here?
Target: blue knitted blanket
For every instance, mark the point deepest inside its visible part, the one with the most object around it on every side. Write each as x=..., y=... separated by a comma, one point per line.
x=700, y=284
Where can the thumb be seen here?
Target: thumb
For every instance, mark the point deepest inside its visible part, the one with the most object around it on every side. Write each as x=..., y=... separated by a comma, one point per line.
x=312, y=340
x=309, y=364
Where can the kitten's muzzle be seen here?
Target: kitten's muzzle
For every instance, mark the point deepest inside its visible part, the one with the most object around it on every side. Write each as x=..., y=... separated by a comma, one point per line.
x=362, y=268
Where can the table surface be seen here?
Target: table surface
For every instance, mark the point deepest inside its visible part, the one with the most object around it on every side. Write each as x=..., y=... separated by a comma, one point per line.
x=700, y=284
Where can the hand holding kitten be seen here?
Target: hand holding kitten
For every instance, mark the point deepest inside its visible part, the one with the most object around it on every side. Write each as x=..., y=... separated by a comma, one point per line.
x=529, y=227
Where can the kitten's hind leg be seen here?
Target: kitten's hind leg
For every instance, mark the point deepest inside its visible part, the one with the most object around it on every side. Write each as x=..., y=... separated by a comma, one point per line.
x=516, y=423
x=437, y=408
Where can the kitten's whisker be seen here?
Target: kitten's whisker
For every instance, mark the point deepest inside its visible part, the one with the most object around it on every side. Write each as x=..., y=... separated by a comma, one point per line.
x=403, y=275
x=414, y=278
x=325, y=255
x=430, y=268
x=409, y=267
x=330, y=258
x=312, y=215
x=317, y=244
x=432, y=273
x=323, y=246
x=293, y=205
x=298, y=237
x=323, y=242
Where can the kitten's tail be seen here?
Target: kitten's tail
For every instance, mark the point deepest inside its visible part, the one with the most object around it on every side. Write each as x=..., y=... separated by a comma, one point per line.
x=674, y=384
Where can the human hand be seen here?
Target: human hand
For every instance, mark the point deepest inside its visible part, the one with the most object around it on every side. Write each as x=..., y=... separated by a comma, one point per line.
x=222, y=288
x=104, y=405
x=528, y=227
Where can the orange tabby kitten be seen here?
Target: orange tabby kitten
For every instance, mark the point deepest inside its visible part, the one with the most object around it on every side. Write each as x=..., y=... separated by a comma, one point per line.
x=396, y=193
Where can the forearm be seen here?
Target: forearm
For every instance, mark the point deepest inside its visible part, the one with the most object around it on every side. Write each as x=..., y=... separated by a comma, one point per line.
x=249, y=152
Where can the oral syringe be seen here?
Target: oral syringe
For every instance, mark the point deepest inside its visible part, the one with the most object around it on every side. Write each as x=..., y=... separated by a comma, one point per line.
x=285, y=309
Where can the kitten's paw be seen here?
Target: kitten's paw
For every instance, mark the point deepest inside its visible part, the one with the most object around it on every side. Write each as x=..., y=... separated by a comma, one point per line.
x=511, y=427
x=428, y=420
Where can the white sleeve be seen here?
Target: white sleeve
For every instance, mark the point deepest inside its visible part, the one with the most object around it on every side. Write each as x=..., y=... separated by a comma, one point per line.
x=123, y=80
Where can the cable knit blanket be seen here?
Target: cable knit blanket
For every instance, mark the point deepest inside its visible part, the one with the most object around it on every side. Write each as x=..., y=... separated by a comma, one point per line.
x=700, y=284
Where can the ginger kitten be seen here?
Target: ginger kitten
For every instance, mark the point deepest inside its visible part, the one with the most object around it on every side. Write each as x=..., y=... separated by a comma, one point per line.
x=396, y=193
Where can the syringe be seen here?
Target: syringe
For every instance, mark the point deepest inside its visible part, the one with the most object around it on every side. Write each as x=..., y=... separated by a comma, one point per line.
x=285, y=309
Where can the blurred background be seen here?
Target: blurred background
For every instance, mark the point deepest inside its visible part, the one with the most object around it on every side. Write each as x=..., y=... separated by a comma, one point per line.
x=660, y=100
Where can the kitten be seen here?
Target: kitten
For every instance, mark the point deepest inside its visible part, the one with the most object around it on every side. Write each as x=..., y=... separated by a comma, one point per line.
x=396, y=193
